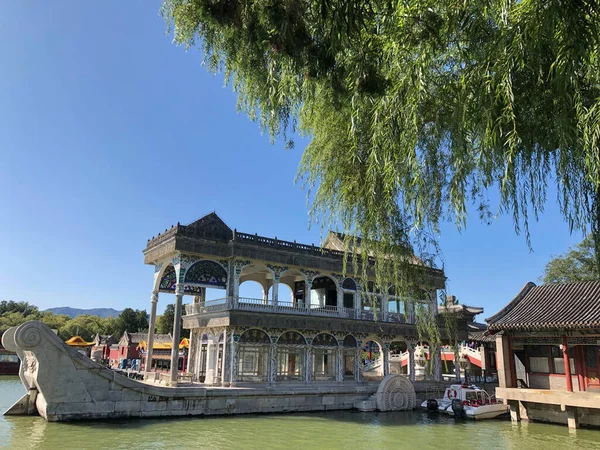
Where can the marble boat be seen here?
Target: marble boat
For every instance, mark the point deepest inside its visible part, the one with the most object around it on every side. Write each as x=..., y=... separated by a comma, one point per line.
x=62, y=384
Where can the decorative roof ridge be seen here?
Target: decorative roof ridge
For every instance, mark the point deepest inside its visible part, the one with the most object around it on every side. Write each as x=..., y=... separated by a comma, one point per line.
x=514, y=302
x=571, y=283
x=213, y=214
x=472, y=307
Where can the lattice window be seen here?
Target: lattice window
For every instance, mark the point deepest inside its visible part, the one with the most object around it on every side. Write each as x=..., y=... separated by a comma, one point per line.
x=324, y=364
x=290, y=363
x=350, y=341
x=253, y=362
x=207, y=273
x=349, y=284
x=168, y=280
x=291, y=338
x=349, y=364
x=255, y=337
x=324, y=340
x=539, y=364
x=591, y=361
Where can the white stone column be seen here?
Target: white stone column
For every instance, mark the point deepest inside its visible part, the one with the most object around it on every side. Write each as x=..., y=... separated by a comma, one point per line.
x=236, y=287
x=340, y=364
x=386, y=359
x=340, y=298
x=437, y=365
x=384, y=307
x=457, y=362
x=151, y=327
x=176, y=334
x=276, y=271
x=272, y=378
x=212, y=350
x=226, y=375
x=224, y=359
x=433, y=303
x=308, y=365
x=357, y=372
x=234, y=362
x=357, y=302
x=275, y=289
x=191, y=351
x=411, y=363
x=307, y=292
x=411, y=311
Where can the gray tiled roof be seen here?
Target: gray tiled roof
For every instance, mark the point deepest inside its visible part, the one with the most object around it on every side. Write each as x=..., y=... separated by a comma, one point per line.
x=136, y=338
x=560, y=306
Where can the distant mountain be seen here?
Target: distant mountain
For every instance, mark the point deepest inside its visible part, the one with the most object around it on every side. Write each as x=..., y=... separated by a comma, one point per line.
x=72, y=312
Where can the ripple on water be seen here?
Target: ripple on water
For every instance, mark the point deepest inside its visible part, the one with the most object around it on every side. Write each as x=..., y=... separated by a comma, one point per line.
x=331, y=430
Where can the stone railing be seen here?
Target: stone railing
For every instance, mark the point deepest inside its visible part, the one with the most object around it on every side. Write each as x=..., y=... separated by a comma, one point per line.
x=277, y=243
x=468, y=351
x=259, y=305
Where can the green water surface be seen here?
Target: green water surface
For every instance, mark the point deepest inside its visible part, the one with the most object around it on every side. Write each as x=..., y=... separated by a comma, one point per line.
x=331, y=430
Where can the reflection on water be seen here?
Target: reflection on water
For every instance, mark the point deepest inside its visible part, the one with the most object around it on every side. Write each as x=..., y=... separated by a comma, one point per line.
x=331, y=430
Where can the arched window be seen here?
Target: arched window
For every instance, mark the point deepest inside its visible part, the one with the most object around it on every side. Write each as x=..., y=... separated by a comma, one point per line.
x=291, y=351
x=323, y=293
x=371, y=360
x=168, y=280
x=349, y=284
x=201, y=361
x=350, y=350
x=207, y=273
x=324, y=357
x=350, y=342
x=291, y=338
x=253, y=356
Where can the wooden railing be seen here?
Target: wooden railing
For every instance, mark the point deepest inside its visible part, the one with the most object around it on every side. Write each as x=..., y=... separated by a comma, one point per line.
x=259, y=305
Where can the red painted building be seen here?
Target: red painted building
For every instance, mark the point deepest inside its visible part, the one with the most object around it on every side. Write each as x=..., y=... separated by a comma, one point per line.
x=104, y=344
x=129, y=342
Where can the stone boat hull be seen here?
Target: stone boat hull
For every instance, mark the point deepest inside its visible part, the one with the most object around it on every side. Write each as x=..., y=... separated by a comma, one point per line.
x=64, y=385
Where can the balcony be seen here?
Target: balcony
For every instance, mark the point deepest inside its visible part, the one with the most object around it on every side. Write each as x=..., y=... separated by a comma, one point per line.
x=259, y=305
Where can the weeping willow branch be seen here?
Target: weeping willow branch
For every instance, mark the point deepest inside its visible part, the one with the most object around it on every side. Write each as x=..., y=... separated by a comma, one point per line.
x=417, y=110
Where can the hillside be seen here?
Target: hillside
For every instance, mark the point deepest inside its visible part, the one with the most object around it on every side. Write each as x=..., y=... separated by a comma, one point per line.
x=72, y=312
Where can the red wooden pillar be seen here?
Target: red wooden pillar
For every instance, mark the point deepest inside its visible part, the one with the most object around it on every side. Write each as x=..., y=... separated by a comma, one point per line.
x=513, y=371
x=579, y=366
x=567, y=365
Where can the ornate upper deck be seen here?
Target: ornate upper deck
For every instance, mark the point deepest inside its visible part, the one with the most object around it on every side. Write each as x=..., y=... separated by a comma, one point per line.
x=210, y=236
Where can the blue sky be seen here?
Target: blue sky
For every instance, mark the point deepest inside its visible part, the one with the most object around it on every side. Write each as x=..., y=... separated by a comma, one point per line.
x=109, y=133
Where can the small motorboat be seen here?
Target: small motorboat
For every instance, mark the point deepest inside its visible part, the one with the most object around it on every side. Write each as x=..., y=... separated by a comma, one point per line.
x=467, y=401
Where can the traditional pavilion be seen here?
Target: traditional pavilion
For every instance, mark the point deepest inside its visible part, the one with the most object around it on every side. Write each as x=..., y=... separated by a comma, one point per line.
x=80, y=344
x=548, y=348
x=161, y=355
x=316, y=334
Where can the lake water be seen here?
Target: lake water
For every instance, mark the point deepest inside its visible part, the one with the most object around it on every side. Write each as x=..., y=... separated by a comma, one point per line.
x=332, y=430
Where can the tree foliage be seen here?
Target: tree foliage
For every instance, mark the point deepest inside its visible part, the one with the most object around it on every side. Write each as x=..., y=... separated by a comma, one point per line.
x=578, y=264
x=87, y=326
x=164, y=323
x=132, y=321
x=10, y=306
x=416, y=109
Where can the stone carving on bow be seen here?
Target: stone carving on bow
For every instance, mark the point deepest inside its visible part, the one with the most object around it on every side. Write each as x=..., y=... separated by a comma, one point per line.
x=310, y=275
x=339, y=278
x=396, y=393
x=277, y=270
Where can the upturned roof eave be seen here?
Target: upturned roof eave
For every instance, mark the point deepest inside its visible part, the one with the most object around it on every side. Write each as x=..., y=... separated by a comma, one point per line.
x=514, y=302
